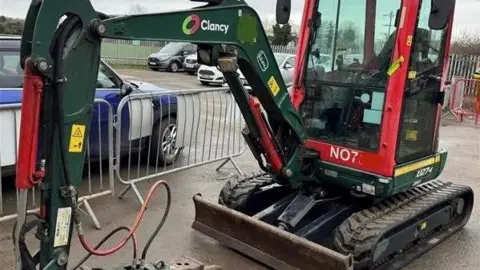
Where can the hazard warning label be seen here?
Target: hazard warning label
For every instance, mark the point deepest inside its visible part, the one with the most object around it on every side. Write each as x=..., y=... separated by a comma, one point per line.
x=76, y=138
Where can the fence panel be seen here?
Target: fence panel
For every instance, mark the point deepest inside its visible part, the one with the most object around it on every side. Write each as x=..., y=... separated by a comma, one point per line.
x=182, y=130
x=465, y=99
x=97, y=181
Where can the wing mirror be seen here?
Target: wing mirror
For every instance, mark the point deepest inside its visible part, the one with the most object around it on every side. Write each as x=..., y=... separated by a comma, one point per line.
x=126, y=89
x=440, y=13
x=283, y=11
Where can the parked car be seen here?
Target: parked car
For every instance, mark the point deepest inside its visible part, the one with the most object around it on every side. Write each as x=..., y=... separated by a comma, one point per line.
x=286, y=63
x=190, y=65
x=110, y=87
x=171, y=56
x=210, y=75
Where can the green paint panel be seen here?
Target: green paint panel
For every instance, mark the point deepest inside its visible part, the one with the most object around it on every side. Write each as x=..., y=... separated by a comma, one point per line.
x=351, y=179
x=247, y=31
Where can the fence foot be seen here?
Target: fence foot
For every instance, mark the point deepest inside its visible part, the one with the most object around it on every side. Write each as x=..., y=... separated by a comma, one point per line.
x=92, y=214
x=135, y=190
x=124, y=191
x=237, y=168
x=223, y=164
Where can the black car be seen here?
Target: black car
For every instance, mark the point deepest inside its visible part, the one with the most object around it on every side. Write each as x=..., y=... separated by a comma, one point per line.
x=171, y=57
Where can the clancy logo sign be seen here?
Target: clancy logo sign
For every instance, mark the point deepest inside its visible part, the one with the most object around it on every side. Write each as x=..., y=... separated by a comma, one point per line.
x=193, y=22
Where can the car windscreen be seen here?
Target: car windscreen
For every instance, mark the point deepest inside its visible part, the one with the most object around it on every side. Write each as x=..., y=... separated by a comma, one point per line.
x=11, y=74
x=172, y=48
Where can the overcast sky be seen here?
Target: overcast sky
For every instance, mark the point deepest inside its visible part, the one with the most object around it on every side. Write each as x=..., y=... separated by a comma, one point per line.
x=466, y=17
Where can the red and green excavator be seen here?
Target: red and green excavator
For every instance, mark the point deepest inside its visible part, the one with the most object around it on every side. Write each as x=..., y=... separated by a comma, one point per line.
x=349, y=159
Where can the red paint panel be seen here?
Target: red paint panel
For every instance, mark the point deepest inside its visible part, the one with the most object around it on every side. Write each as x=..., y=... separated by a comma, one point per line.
x=298, y=93
x=395, y=88
x=353, y=158
x=30, y=117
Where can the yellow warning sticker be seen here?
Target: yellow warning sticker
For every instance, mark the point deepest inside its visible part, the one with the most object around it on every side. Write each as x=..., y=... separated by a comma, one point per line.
x=76, y=138
x=411, y=135
x=395, y=65
x=412, y=74
x=273, y=85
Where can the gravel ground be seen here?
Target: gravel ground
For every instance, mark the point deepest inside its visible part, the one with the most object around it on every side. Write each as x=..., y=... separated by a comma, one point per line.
x=176, y=239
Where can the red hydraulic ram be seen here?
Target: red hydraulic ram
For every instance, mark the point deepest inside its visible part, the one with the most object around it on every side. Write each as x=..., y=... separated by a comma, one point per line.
x=27, y=173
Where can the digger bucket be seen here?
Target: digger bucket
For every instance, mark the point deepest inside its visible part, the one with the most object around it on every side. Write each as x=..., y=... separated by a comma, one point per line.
x=265, y=243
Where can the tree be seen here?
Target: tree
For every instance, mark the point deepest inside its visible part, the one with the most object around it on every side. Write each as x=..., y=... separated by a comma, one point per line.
x=348, y=38
x=282, y=34
x=466, y=43
x=329, y=36
x=137, y=9
x=11, y=26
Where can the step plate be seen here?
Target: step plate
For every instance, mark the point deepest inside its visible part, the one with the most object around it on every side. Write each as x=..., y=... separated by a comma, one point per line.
x=263, y=242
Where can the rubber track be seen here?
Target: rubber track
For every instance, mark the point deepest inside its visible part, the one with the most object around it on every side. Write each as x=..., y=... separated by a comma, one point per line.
x=236, y=192
x=360, y=233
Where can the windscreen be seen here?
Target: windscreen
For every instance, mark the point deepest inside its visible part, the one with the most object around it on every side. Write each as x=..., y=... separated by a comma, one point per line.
x=11, y=74
x=172, y=47
x=346, y=73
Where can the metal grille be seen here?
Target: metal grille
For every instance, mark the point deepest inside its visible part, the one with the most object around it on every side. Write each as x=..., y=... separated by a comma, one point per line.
x=206, y=72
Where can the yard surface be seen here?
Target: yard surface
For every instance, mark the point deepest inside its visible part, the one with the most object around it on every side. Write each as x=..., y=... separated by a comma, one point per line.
x=176, y=238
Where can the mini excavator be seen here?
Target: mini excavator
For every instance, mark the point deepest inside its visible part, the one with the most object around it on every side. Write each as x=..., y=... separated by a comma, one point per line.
x=349, y=156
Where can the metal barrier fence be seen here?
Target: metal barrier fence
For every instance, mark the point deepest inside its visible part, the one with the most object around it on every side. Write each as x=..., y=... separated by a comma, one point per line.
x=98, y=151
x=182, y=130
x=464, y=100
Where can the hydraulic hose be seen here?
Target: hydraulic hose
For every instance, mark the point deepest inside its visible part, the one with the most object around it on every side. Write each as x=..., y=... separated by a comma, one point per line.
x=133, y=228
x=159, y=226
x=69, y=25
x=122, y=228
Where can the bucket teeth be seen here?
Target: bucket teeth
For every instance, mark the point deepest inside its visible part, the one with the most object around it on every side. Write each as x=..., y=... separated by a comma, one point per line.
x=263, y=242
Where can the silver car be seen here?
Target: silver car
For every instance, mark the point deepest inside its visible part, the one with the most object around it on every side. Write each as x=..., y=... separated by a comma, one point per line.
x=286, y=64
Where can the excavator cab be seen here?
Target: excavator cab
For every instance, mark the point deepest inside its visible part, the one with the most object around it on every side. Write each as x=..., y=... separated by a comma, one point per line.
x=370, y=90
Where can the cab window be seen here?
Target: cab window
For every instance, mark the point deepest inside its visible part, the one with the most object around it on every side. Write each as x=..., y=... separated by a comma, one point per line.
x=417, y=128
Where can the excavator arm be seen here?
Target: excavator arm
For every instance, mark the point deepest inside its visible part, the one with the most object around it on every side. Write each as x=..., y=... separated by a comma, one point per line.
x=60, y=54
x=229, y=34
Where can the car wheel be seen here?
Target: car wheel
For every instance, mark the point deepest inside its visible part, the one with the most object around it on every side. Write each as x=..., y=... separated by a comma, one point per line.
x=163, y=145
x=174, y=66
x=205, y=83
